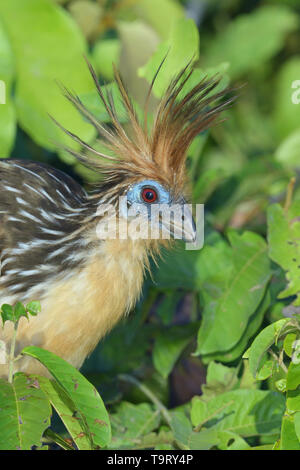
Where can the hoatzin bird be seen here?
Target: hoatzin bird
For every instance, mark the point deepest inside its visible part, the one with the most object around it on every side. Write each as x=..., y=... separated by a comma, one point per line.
x=50, y=250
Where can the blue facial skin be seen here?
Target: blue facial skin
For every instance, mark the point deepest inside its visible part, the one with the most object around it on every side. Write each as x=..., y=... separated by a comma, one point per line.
x=134, y=194
x=134, y=198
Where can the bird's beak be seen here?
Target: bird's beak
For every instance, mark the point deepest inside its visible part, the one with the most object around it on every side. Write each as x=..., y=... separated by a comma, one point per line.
x=183, y=228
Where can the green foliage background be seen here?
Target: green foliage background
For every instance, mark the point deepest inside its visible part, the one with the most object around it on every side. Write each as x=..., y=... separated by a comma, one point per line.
x=178, y=373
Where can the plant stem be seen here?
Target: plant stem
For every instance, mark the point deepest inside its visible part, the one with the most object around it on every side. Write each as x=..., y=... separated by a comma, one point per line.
x=11, y=359
x=149, y=394
x=280, y=362
x=289, y=194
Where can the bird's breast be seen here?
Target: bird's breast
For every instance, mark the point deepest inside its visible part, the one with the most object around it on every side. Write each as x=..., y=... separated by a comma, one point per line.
x=82, y=307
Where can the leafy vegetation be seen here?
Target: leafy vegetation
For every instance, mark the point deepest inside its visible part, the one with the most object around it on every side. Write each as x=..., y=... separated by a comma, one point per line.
x=209, y=359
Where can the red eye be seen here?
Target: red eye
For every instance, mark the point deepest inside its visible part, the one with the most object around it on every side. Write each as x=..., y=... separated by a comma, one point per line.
x=149, y=195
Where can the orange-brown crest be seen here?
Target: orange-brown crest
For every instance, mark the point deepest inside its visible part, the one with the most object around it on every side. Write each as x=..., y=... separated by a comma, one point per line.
x=158, y=154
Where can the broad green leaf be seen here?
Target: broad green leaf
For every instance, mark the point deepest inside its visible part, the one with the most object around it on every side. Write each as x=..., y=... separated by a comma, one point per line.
x=254, y=323
x=24, y=413
x=7, y=108
x=131, y=423
x=198, y=411
x=293, y=400
x=288, y=151
x=232, y=441
x=162, y=440
x=106, y=52
x=286, y=109
x=139, y=41
x=193, y=269
x=288, y=438
x=169, y=345
x=293, y=376
x=266, y=370
x=183, y=433
x=262, y=31
x=243, y=412
x=283, y=236
x=88, y=15
x=219, y=379
x=84, y=395
x=288, y=343
x=297, y=424
x=67, y=412
x=225, y=316
x=20, y=311
x=94, y=104
x=262, y=343
x=181, y=47
x=160, y=14
x=47, y=58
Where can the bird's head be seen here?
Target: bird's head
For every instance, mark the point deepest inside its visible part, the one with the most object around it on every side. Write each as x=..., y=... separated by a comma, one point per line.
x=143, y=173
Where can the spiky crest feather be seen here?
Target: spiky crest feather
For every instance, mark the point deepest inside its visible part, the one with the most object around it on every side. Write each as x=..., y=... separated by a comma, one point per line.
x=161, y=153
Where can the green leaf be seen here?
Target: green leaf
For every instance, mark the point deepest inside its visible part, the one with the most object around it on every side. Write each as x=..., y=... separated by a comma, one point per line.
x=24, y=413
x=139, y=41
x=289, y=439
x=34, y=307
x=95, y=105
x=181, y=47
x=262, y=31
x=83, y=394
x=226, y=314
x=88, y=16
x=266, y=370
x=286, y=112
x=198, y=411
x=19, y=311
x=131, y=423
x=47, y=58
x=106, y=52
x=232, y=441
x=188, y=438
x=293, y=376
x=194, y=269
x=169, y=345
x=219, y=379
x=243, y=412
x=169, y=13
x=297, y=424
x=288, y=343
x=7, y=108
x=7, y=313
x=262, y=343
x=254, y=323
x=288, y=151
x=67, y=412
x=283, y=236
